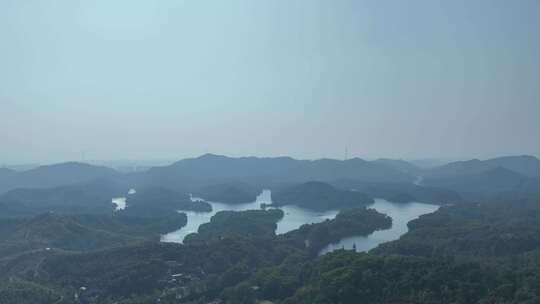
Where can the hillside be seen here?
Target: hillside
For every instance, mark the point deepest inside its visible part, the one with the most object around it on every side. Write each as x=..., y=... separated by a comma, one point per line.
x=81, y=232
x=91, y=198
x=525, y=165
x=402, y=192
x=489, y=184
x=319, y=196
x=484, y=229
x=56, y=175
x=225, y=224
x=156, y=202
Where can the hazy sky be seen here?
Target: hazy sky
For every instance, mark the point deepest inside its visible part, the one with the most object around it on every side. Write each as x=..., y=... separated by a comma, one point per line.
x=172, y=78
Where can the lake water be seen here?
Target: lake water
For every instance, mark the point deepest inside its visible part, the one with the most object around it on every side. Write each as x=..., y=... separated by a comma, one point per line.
x=293, y=218
x=119, y=202
x=401, y=214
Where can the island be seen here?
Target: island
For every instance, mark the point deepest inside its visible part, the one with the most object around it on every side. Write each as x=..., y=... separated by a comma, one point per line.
x=350, y=222
x=158, y=201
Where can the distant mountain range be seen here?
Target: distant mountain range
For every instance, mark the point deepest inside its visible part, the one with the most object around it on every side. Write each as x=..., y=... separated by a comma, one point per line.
x=504, y=177
x=510, y=174
x=266, y=171
x=525, y=165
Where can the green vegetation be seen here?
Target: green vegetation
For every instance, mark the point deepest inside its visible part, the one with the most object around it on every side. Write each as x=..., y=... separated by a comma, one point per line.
x=227, y=254
x=484, y=254
x=238, y=259
x=157, y=202
x=347, y=277
x=84, y=252
x=256, y=223
x=319, y=196
x=87, y=198
x=485, y=229
x=17, y=291
x=81, y=232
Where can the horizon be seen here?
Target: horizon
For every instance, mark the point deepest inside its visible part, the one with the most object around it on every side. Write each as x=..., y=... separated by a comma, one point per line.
x=117, y=164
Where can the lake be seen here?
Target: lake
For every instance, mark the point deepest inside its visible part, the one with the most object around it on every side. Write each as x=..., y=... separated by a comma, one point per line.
x=293, y=218
x=401, y=214
x=120, y=202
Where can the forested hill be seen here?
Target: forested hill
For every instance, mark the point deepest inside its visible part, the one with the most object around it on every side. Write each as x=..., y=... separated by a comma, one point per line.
x=319, y=196
x=84, y=198
x=492, y=184
x=526, y=165
x=81, y=232
x=55, y=175
x=484, y=229
x=272, y=170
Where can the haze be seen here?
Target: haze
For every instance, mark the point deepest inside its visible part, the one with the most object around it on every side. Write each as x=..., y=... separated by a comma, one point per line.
x=171, y=79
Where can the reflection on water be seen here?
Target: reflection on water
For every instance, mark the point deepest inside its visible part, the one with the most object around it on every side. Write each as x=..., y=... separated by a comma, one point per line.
x=401, y=214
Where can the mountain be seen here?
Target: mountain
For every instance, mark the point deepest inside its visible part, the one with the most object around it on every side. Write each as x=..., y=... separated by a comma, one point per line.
x=56, y=175
x=92, y=198
x=81, y=232
x=319, y=196
x=215, y=169
x=525, y=165
x=6, y=176
x=6, y=172
x=402, y=192
x=489, y=184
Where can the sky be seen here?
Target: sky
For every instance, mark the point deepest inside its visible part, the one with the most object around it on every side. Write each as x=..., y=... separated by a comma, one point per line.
x=171, y=79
